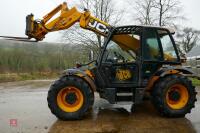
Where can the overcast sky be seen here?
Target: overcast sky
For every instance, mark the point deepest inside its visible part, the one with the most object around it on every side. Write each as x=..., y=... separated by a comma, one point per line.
x=13, y=13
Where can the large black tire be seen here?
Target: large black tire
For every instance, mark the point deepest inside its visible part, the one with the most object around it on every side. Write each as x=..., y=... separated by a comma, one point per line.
x=88, y=96
x=159, y=95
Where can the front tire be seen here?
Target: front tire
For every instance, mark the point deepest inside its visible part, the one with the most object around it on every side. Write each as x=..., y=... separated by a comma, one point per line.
x=174, y=96
x=70, y=97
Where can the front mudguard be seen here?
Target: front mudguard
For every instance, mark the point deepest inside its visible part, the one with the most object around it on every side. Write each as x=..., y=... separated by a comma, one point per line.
x=82, y=74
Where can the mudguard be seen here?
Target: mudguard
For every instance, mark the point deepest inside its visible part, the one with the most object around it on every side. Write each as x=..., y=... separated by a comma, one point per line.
x=82, y=74
x=173, y=70
x=168, y=70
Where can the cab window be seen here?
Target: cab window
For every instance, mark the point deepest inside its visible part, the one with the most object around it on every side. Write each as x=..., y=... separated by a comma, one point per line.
x=167, y=46
x=151, y=49
x=119, y=53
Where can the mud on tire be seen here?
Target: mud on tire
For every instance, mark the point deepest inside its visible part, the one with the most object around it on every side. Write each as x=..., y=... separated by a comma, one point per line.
x=57, y=86
x=159, y=95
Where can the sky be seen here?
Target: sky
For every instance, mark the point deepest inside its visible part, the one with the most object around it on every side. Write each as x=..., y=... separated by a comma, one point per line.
x=13, y=13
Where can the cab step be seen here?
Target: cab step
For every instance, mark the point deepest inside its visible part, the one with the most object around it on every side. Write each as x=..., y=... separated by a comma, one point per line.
x=115, y=95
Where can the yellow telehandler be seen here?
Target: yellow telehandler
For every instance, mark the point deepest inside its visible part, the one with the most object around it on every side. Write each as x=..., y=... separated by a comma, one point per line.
x=133, y=60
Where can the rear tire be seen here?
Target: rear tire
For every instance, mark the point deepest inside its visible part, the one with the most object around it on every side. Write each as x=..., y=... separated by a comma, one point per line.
x=84, y=92
x=181, y=102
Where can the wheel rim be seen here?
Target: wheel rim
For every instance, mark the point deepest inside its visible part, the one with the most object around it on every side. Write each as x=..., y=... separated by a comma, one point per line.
x=177, y=96
x=70, y=99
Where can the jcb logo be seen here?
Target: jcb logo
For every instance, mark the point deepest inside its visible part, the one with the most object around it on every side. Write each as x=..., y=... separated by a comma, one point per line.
x=122, y=74
x=98, y=26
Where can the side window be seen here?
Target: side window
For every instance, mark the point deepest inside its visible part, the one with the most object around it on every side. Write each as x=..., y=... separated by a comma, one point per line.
x=151, y=49
x=118, y=53
x=167, y=45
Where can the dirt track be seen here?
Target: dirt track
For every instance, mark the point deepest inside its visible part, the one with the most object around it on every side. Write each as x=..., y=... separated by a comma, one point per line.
x=26, y=102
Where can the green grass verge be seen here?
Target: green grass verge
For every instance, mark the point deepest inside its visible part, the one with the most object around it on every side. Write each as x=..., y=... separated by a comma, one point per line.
x=195, y=82
x=10, y=77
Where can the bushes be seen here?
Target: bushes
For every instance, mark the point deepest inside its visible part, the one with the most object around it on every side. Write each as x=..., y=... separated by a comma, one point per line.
x=38, y=57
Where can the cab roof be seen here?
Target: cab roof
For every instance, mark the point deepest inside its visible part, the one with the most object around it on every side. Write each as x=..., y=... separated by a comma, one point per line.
x=137, y=28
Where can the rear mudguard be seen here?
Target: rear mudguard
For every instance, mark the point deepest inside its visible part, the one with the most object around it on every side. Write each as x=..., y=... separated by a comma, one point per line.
x=173, y=70
x=169, y=70
x=82, y=74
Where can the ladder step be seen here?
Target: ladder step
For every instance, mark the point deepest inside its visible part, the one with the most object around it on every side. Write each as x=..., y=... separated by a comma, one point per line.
x=123, y=90
x=124, y=98
x=124, y=94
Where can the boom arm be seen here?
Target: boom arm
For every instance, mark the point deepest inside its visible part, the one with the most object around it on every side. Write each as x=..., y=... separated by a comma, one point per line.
x=68, y=17
x=39, y=28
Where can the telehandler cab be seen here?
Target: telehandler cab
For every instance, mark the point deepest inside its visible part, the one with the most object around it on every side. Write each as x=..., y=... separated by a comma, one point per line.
x=134, y=60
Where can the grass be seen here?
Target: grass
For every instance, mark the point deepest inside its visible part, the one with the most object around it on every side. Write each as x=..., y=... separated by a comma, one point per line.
x=10, y=77
x=195, y=82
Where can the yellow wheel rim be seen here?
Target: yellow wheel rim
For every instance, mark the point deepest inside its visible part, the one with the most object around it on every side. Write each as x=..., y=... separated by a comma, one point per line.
x=177, y=96
x=70, y=99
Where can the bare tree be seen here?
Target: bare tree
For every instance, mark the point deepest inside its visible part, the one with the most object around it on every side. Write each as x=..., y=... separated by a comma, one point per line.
x=187, y=39
x=104, y=10
x=158, y=12
x=168, y=11
x=144, y=12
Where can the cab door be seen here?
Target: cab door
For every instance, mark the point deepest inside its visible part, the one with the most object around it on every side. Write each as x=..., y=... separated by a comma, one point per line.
x=157, y=49
x=119, y=66
x=151, y=53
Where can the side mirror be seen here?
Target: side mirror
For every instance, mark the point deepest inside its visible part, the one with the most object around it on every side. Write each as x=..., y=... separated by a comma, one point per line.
x=91, y=55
